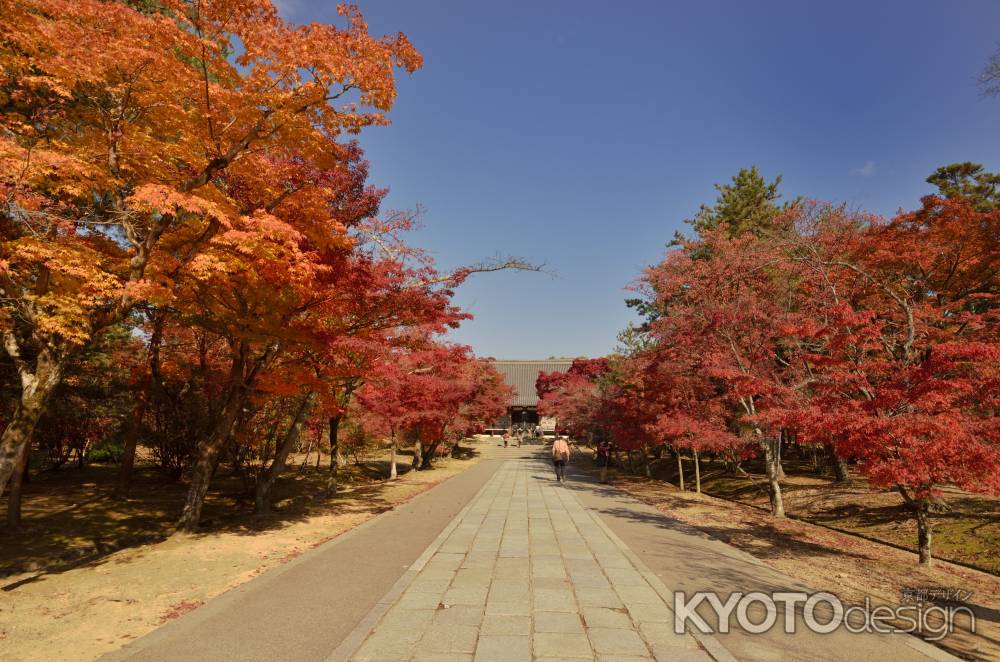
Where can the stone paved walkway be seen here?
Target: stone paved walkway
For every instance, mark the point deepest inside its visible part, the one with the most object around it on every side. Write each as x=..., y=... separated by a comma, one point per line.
x=526, y=573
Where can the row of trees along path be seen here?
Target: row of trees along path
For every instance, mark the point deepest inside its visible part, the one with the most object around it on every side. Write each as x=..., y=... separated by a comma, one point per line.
x=186, y=226
x=876, y=340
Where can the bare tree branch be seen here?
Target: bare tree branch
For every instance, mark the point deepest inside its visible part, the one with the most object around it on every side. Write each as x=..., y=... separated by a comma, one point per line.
x=989, y=78
x=491, y=265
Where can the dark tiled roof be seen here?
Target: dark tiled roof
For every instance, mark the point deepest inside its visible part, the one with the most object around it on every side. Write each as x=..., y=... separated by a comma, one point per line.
x=523, y=374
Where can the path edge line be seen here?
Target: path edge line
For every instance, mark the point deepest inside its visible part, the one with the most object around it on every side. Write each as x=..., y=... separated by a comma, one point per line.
x=352, y=642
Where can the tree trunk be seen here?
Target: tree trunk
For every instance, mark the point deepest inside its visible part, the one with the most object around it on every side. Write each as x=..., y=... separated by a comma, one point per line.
x=771, y=468
x=305, y=458
x=418, y=450
x=139, y=411
x=680, y=469
x=132, y=430
x=128, y=460
x=631, y=465
x=262, y=490
x=331, y=481
x=780, y=470
x=428, y=457
x=35, y=390
x=697, y=473
x=921, y=509
x=16, y=483
x=645, y=459
x=241, y=382
x=924, y=531
x=208, y=454
x=838, y=463
x=392, y=458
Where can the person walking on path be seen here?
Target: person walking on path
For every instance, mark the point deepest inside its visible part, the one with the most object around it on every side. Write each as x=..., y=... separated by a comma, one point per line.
x=603, y=458
x=560, y=456
x=506, y=436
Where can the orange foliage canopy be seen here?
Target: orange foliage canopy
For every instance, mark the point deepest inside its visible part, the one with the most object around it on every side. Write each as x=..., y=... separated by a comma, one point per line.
x=131, y=138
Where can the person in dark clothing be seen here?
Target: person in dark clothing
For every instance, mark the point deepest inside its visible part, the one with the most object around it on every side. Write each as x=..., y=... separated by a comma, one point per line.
x=603, y=459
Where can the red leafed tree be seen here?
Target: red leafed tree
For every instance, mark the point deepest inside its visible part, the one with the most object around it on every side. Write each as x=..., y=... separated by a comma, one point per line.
x=430, y=393
x=575, y=405
x=876, y=338
x=682, y=401
x=589, y=369
x=734, y=296
x=905, y=323
x=574, y=398
x=481, y=396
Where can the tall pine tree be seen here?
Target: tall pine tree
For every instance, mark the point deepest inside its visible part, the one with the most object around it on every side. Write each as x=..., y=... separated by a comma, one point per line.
x=970, y=180
x=748, y=204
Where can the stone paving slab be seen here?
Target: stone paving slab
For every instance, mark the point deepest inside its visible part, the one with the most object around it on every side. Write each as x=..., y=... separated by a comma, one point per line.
x=527, y=573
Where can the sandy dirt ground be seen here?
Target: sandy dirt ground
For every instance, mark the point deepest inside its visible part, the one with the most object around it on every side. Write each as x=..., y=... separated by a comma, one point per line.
x=85, y=611
x=966, y=526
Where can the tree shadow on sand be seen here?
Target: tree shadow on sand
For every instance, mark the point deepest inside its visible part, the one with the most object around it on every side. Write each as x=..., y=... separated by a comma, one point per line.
x=71, y=521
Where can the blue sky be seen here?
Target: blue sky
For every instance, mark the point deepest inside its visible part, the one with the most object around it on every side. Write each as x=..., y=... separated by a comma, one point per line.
x=581, y=134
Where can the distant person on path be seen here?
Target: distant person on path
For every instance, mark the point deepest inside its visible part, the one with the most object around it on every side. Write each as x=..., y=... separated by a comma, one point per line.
x=560, y=456
x=603, y=458
x=506, y=437
x=538, y=431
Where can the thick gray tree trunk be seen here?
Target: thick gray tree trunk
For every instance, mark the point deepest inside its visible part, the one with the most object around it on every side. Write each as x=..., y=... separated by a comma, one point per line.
x=431, y=453
x=241, y=382
x=680, y=469
x=780, y=470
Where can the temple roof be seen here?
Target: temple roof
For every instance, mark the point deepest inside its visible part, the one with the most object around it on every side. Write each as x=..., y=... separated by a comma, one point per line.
x=522, y=374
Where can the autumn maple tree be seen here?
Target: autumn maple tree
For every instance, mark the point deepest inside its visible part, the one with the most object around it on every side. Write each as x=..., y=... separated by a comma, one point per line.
x=903, y=321
x=129, y=137
x=427, y=393
x=573, y=397
x=876, y=339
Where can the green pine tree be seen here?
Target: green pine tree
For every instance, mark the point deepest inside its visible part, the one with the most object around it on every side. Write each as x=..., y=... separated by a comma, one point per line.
x=970, y=180
x=748, y=204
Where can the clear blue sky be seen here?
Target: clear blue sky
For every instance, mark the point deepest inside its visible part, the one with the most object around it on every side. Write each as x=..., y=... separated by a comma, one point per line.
x=581, y=134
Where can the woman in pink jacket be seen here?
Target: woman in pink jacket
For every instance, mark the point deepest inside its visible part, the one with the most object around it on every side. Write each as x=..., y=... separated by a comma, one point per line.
x=560, y=456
